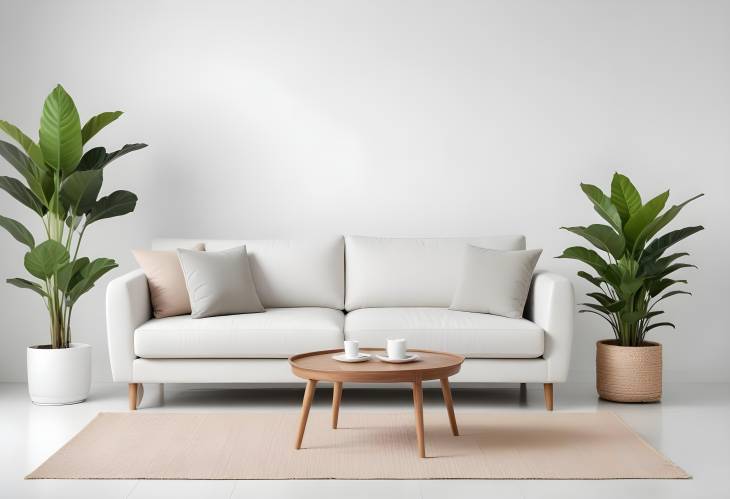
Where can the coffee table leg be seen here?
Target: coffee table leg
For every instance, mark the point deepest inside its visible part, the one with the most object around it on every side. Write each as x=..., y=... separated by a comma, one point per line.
x=336, y=397
x=306, y=404
x=446, y=389
x=418, y=406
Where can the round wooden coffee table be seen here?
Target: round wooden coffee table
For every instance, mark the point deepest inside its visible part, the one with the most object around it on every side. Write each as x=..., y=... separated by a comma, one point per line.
x=320, y=366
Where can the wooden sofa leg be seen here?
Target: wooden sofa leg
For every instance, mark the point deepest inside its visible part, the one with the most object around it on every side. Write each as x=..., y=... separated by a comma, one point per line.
x=549, y=396
x=133, y=396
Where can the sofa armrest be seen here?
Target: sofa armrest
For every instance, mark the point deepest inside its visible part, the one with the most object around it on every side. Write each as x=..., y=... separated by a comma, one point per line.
x=127, y=307
x=551, y=306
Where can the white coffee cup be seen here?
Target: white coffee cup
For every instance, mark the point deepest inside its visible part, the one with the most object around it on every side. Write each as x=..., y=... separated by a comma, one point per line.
x=396, y=348
x=352, y=349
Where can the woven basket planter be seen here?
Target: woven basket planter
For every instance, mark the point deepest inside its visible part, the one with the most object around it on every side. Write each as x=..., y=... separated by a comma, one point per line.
x=629, y=374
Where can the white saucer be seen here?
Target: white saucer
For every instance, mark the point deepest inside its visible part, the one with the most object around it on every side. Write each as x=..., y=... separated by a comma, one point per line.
x=411, y=357
x=343, y=358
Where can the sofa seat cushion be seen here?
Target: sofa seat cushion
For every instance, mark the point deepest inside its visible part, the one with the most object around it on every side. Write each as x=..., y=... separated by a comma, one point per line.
x=477, y=336
x=275, y=333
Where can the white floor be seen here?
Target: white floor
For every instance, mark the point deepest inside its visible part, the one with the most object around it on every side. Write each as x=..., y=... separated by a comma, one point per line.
x=691, y=426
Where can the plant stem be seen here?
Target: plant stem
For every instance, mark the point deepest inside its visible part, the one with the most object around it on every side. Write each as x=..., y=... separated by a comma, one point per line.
x=78, y=243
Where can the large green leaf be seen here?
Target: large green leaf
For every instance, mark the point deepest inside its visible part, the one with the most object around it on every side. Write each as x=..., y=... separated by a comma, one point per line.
x=116, y=204
x=677, y=266
x=596, y=306
x=60, y=132
x=97, y=123
x=607, y=302
x=624, y=196
x=659, y=324
x=98, y=268
x=596, y=281
x=80, y=189
x=89, y=275
x=630, y=286
x=601, y=298
x=659, y=223
x=18, y=160
x=653, y=313
x=603, y=205
x=672, y=293
x=46, y=259
x=98, y=158
x=25, y=142
x=36, y=178
x=71, y=273
x=604, y=317
x=26, y=284
x=92, y=159
x=124, y=150
x=616, y=306
x=586, y=256
x=643, y=217
x=601, y=236
x=21, y=193
x=655, y=267
x=612, y=275
x=656, y=287
x=659, y=245
x=18, y=231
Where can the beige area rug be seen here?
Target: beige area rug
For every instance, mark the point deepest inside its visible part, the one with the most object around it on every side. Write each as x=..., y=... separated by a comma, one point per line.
x=531, y=445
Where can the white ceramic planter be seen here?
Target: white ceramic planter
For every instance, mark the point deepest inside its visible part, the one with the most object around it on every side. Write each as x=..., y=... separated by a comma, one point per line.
x=59, y=376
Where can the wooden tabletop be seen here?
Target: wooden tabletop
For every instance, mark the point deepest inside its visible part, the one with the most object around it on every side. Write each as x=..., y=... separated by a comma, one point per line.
x=322, y=367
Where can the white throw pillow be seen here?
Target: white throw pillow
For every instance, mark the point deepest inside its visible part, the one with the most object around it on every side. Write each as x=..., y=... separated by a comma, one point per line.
x=219, y=282
x=495, y=282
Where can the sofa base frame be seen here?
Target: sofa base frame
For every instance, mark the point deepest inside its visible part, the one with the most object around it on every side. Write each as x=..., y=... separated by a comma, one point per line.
x=136, y=390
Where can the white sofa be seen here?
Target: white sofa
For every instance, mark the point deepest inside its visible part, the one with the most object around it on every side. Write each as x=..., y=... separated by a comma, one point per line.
x=318, y=292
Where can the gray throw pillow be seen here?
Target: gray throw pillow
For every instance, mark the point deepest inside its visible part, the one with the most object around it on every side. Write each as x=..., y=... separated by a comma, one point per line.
x=219, y=282
x=495, y=282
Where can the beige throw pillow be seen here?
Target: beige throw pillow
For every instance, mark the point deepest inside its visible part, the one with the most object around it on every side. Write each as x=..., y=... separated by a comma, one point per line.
x=495, y=282
x=166, y=282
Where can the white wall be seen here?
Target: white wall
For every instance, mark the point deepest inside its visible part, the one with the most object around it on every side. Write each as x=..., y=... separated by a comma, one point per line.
x=272, y=118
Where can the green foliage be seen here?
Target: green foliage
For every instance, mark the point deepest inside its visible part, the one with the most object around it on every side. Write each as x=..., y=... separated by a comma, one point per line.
x=18, y=231
x=80, y=190
x=62, y=186
x=601, y=236
x=30, y=147
x=98, y=158
x=603, y=205
x=633, y=275
x=60, y=132
x=26, y=284
x=624, y=197
x=97, y=123
x=22, y=194
x=39, y=183
x=116, y=204
x=46, y=259
x=89, y=274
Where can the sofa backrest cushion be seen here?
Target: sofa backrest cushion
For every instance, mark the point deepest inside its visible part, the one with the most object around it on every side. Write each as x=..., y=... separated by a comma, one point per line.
x=409, y=272
x=288, y=272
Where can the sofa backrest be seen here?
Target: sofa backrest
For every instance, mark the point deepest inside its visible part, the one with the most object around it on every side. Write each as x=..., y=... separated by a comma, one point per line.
x=287, y=273
x=409, y=272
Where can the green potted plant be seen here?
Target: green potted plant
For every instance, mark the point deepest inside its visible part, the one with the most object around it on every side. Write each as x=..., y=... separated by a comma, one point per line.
x=61, y=184
x=631, y=276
